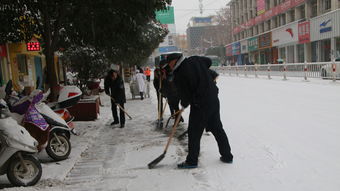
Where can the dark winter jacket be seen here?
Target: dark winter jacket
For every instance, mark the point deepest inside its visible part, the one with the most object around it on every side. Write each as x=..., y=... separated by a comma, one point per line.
x=194, y=82
x=115, y=88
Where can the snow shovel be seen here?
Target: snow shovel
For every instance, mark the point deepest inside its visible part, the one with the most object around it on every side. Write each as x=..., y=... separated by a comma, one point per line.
x=158, y=159
x=117, y=104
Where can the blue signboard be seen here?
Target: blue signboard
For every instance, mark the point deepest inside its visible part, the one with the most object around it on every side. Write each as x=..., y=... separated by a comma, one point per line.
x=202, y=19
x=236, y=48
x=168, y=49
x=326, y=26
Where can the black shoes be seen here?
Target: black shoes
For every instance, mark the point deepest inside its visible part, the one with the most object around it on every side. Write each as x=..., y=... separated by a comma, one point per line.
x=122, y=126
x=226, y=160
x=115, y=123
x=185, y=165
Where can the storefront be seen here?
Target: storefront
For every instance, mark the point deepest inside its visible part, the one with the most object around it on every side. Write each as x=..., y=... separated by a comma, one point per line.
x=244, y=52
x=253, y=46
x=26, y=64
x=325, y=33
x=265, y=44
x=237, y=53
x=229, y=54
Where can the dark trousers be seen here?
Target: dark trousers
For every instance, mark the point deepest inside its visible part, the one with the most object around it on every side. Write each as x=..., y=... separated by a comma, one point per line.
x=173, y=104
x=115, y=113
x=159, y=105
x=209, y=119
x=148, y=78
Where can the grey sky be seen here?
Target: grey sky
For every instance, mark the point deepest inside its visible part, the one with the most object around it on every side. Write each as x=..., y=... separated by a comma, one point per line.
x=185, y=9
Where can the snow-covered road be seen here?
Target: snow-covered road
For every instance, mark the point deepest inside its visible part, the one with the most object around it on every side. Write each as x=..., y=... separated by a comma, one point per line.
x=284, y=136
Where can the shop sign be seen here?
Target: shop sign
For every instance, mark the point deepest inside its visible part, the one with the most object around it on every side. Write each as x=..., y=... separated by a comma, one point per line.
x=244, y=46
x=265, y=40
x=3, y=51
x=33, y=46
x=253, y=44
x=236, y=48
x=326, y=26
x=265, y=15
x=304, y=32
x=229, y=50
x=286, y=34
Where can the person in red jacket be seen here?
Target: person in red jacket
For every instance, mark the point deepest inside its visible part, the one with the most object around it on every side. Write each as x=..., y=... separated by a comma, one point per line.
x=147, y=73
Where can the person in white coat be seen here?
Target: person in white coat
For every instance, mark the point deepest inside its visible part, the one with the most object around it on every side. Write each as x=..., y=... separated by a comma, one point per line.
x=140, y=78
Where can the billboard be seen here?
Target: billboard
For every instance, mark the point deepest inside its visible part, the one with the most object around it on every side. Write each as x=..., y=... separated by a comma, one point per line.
x=286, y=34
x=261, y=6
x=166, y=16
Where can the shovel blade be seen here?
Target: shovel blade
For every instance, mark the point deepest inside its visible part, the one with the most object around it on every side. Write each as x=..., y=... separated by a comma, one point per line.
x=156, y=161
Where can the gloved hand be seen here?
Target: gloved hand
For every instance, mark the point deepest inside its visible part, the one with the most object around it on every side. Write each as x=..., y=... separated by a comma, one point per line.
x=184, y=105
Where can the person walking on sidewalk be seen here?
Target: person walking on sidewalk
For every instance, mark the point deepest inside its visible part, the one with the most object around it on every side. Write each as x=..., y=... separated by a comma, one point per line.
x=147, y=73
x=140, y=78
x=197, y=89
x=114, y=87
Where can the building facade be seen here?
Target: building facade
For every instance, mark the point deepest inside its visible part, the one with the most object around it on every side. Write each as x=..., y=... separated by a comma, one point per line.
x=267, y=31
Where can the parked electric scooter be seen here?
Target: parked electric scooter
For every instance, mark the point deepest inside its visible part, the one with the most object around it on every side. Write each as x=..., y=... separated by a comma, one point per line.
x=53, y=133
x=17, y=147
x=68, y=97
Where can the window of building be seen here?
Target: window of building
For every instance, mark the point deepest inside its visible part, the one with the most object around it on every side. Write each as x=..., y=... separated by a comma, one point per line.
x=283, y=19
x=315, y=50
x=300, y=53
x=283, y=53
x=292, y=15
x=22, y=64
x=326, y=5
x=337, y=48
x=269, y=25
x=302, y=12
x=290, y=54
x=314, y=8
x=325, y=50
x=267, y=4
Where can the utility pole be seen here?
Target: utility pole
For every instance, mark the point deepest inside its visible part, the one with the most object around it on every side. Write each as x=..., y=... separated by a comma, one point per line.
x=201, y=6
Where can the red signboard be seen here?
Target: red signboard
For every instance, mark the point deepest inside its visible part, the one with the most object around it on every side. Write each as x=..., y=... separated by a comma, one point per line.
x=3, y=51
x=288, y=4
x=33, y=46
x=304, y=32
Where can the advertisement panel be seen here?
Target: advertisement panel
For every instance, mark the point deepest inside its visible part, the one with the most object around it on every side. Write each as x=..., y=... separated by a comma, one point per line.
x=265, y=40
x=244, y=46
x=261, y=6
x=253, y=44
x=236, y=48
x=325, y=26
x=166, y=16
x=285, y=35
x=229, y=50
x=304, y=32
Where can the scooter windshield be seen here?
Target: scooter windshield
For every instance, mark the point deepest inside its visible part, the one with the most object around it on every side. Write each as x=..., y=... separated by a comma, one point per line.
x=33, y=116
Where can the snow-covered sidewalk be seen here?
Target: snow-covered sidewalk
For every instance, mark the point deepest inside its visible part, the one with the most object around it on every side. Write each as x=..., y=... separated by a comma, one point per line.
x=284, y=136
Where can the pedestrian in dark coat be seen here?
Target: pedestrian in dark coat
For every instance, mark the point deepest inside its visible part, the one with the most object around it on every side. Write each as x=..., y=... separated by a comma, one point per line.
x=114, y=87
x=196, y=88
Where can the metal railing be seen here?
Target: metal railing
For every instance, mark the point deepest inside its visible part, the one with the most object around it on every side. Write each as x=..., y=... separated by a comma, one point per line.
x=324, y=70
